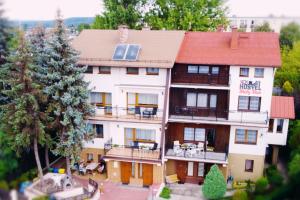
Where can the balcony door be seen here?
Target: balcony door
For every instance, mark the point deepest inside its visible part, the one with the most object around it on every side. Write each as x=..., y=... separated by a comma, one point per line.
x=141, y=100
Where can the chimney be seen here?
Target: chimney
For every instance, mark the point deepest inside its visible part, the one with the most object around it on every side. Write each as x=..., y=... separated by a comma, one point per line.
x=234, y=38
x=123, y=33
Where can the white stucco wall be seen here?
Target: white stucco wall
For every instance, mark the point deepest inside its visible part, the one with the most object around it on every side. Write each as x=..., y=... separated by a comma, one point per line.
x=266, y=85
x=276, y=138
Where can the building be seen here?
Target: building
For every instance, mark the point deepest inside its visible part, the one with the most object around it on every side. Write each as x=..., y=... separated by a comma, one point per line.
x=248, y=24
x=128, y=71
x=174, y=102
x=225, y=82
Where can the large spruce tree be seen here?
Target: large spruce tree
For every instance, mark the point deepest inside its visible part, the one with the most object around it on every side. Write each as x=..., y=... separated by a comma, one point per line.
x=69, y=95
x=22, y=115
x=4, y=35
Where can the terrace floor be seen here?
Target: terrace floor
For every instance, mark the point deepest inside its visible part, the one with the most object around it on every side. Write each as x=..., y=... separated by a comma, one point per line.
x=133, y=153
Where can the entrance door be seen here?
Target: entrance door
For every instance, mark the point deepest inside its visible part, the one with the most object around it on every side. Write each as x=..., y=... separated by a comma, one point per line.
x=125, y=172
x=147, y=174
x=181, y=170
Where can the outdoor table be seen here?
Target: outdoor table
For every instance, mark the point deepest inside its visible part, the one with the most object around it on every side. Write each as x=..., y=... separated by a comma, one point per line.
x=92, y=166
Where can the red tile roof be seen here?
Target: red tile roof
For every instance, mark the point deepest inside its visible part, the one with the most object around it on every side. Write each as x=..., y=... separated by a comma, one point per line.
x=282, y=107
x=253, y=49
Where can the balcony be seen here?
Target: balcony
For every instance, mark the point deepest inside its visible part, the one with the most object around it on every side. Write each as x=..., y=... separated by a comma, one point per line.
x=178, y=113
x=195, y=154
x=142, y=114
x=144, y=151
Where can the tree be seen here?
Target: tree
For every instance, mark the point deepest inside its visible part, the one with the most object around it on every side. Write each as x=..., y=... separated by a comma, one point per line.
x=214, y=186
x=120, y=12
x=22, y=114
x=194, y=15
x=265, y=27
x=4, y=36
x=287, y=87
x=289, y=34
x=83, y=26
x=68, y=95
x=290, y=68
x=294, y=168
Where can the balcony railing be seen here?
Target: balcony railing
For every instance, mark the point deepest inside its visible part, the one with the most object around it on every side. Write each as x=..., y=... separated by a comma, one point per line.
x=137, y=113
x=188, y=113
x=132, y=152
x=196, y=153
x=206, y=79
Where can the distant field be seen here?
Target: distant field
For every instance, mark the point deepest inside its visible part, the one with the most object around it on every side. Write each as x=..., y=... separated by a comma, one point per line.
x=75, y=21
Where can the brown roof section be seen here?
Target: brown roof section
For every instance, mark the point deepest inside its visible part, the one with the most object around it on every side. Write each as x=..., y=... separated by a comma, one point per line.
x=230, y=48
x=282, y=107
x=158, y=48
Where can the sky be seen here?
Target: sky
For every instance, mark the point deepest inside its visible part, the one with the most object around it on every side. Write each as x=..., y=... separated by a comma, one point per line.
x=46, y=9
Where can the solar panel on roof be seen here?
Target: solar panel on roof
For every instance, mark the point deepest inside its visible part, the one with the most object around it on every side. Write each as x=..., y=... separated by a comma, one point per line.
x=120, y=52
x=132, y=52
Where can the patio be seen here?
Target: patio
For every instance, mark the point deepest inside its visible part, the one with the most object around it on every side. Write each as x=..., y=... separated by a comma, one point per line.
x=205, y=155
x=133, y=153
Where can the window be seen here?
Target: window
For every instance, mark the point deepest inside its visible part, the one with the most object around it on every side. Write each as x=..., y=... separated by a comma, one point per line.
x=271, y=125
x=194, y=134
x=102, y=101
x=190, y=171
x=141, y=135
x=132, y=52
x=132, y=70
x=215, y=70
x=259, y=72
x=89, y=70
x=192, y=69
x=90, y=156
x=191, y=99
x=279, y=125
x=249, y=164
x=97, y=129
x=213, y=101
x=244, y=136
x=141, y=100
x=201, y=169
x=203, y=69
x=152, y=71
x=249, y=103
x=202, y=100
x=120, y=52
x=127, y=52
x=104, y=70
x=244, y=72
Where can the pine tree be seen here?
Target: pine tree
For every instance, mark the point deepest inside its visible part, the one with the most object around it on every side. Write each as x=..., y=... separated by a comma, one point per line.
x=22, y=115
x=69, y=95
x=214, y=186
x=37, y=43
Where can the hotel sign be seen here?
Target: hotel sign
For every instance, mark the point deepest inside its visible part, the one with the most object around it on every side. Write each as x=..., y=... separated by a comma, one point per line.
x=250, y=87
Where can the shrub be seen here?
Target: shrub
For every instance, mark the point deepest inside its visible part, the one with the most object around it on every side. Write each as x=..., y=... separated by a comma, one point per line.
x=214, y=186
x=41, y=198
x=4, y=185
x=261, y=185
x=240, y=195
x=165, y=193
x=274, y=177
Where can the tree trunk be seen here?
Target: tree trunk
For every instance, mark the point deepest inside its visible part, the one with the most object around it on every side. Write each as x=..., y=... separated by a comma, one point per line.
x=68, y=167
x=47, y=156
x=37, y=158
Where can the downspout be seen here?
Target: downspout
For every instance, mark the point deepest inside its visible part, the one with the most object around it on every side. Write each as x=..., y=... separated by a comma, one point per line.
x=165, y=112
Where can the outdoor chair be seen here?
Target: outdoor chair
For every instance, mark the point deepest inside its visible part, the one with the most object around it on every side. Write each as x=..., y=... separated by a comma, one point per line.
x=154, y=112
x=137, y=111
x=154, y=147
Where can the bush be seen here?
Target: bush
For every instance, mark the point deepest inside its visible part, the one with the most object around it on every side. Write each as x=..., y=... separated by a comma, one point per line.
x=274, y=177
x=4, y=185
x=261, y=185
x=41, y=198
x=214, y=186
x=240, y=195
x=165, y=193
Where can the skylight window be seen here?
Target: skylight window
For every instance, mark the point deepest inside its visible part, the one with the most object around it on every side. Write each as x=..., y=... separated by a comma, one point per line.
x=127, y=52
x=120, y=52
x=132, y=52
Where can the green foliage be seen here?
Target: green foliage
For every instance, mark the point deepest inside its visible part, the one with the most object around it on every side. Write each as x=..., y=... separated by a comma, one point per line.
x=83, y=26
x=261, y=185
x=294, y=165
x=4, y=37
x=8, y=159
x=165, y=193
x=195, y=15
x=294, y=140
x=274, y=177
x=261, y=197
x=128, y=12
x=240, y=195
x=287, y=87
x=265, y=27
x=26, y=176
x=41, y=198
x=214, y=186
x=290, y=68
x=289, y=34
x=4, y=185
